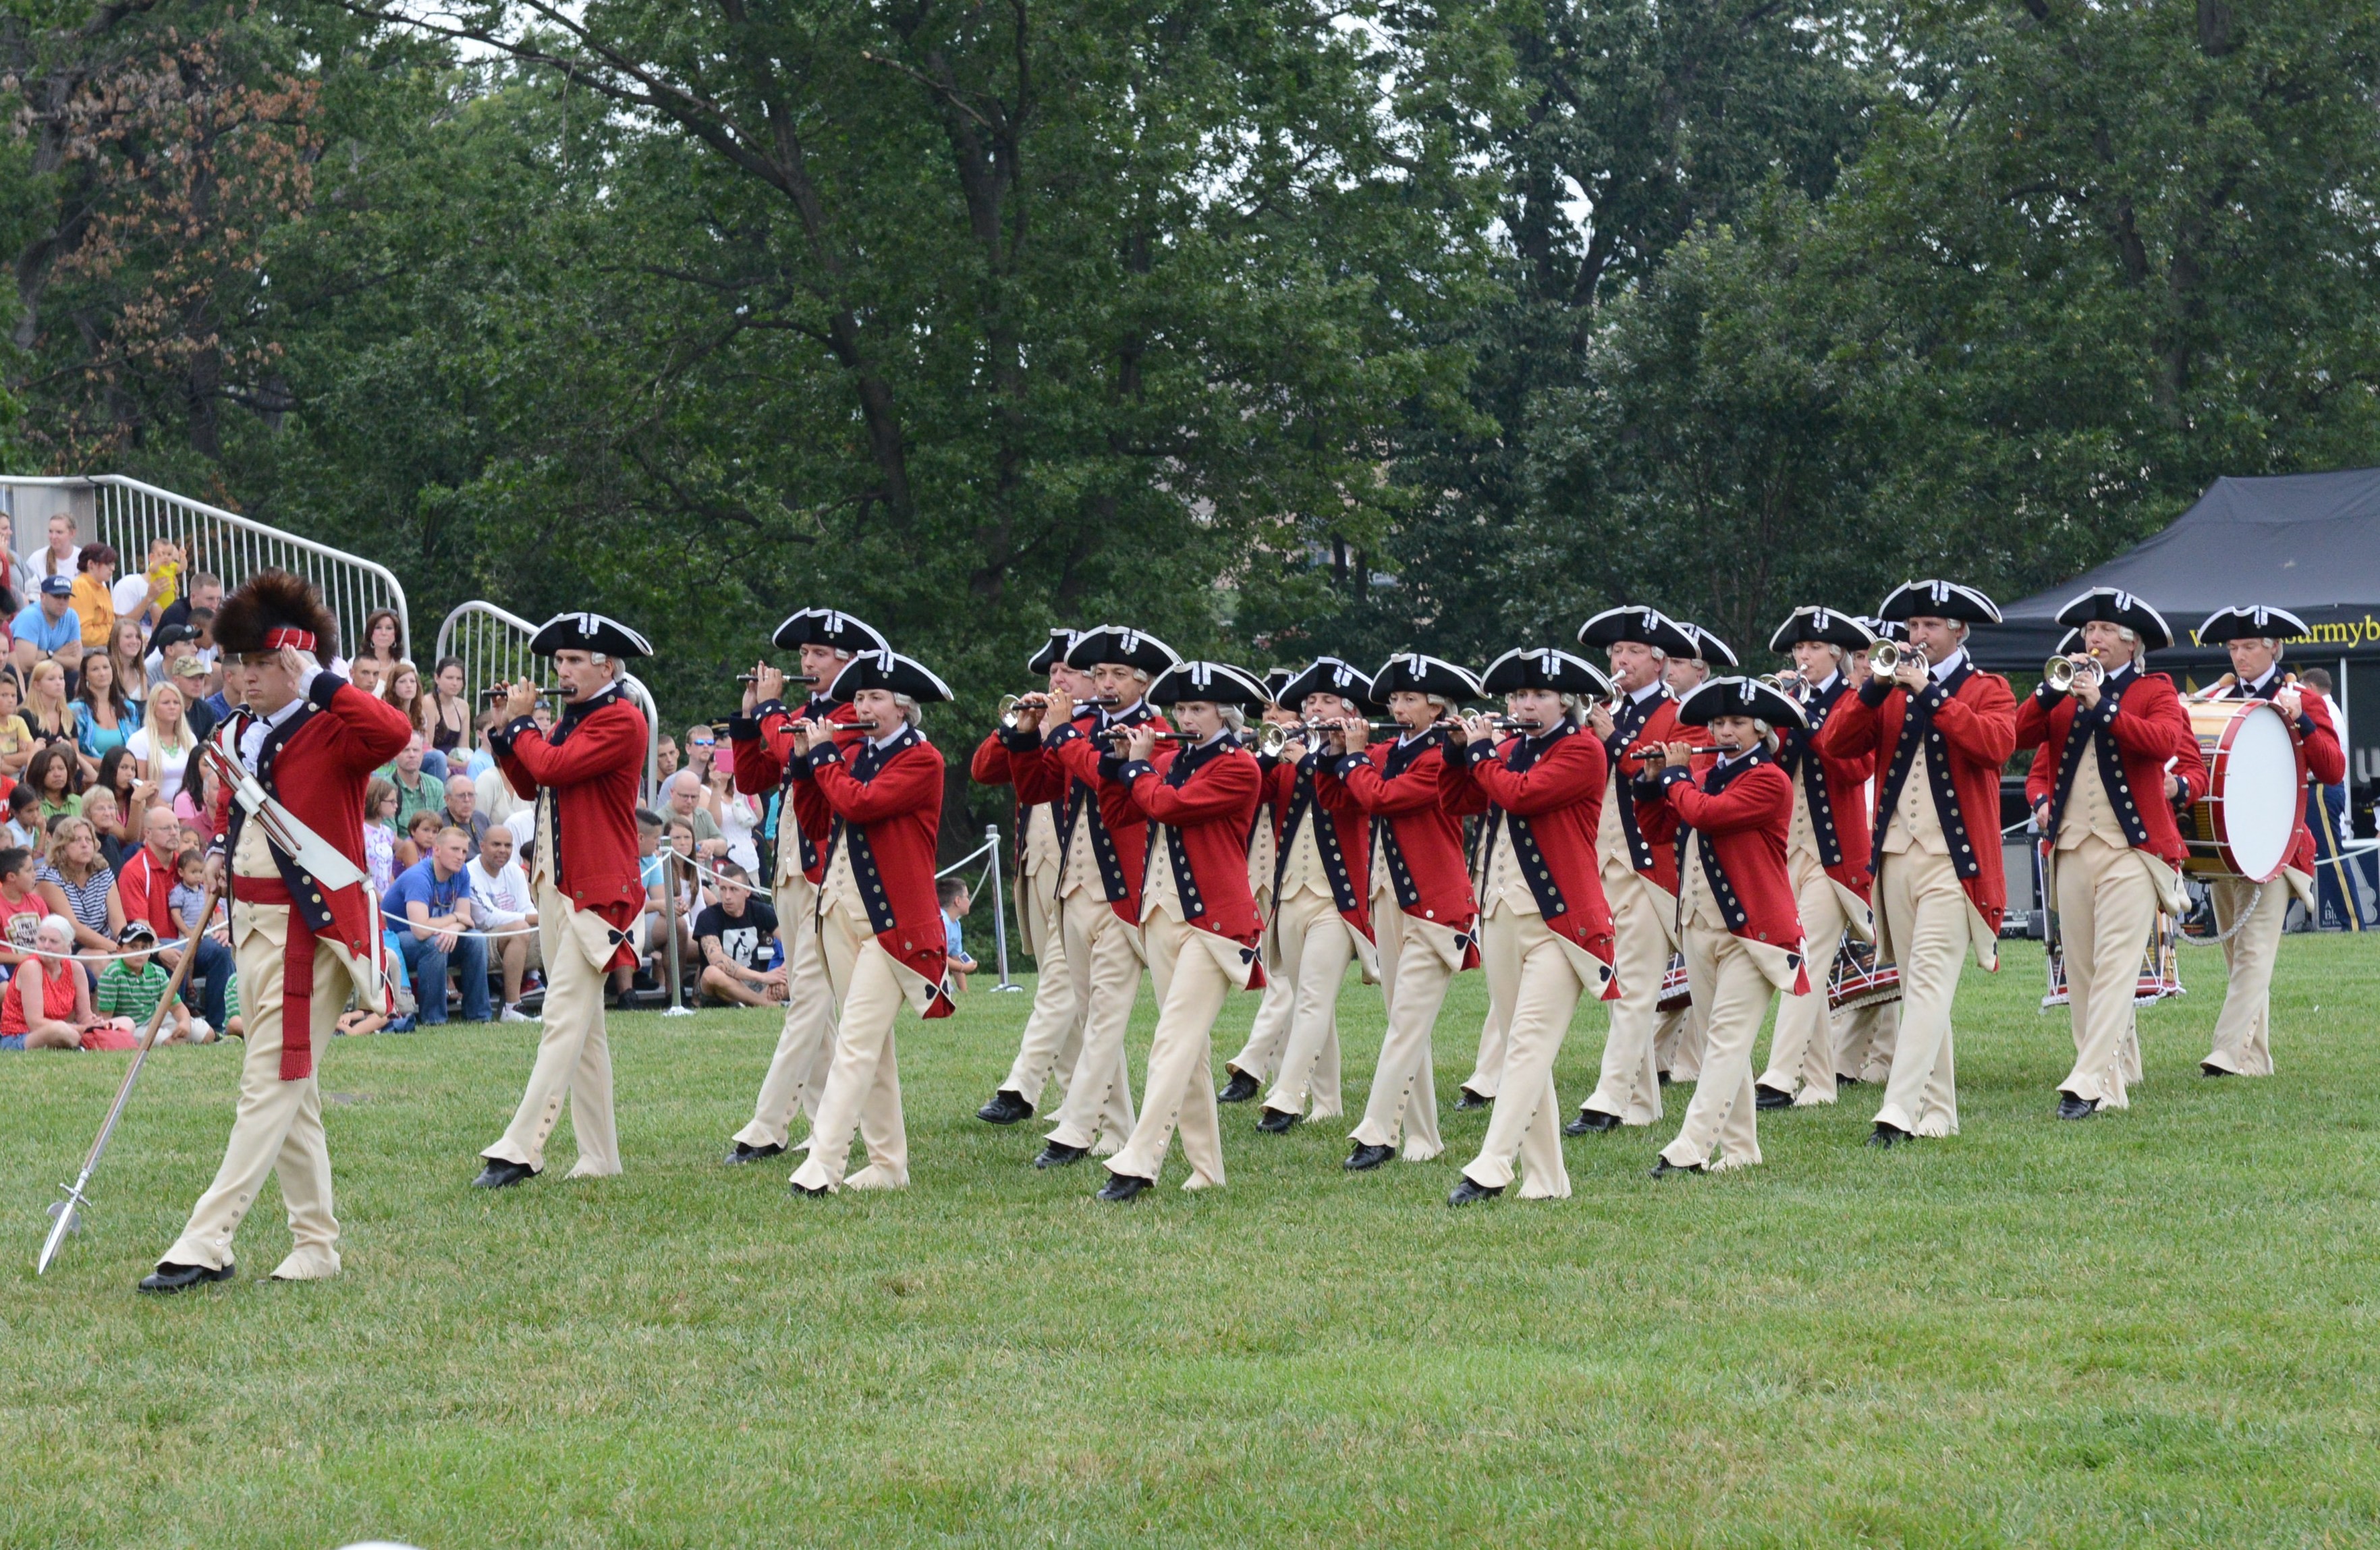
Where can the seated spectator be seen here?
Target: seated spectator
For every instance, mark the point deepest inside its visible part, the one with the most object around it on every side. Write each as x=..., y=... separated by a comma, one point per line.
x=47, y=1004
x=93, y=595
x=144, y=596
x=76, y=883
x=483, y=756
x=383, y=643
x=665, y=760
x=59, y=558
x=434, y=898
x=738, y=817
x=47, y=710
x=401, y=687
x=205, y=595
x=734, y=937
x=502, y=902
x=206, y=687
x=131, y=988
x=420, y=834
x=105, y=814
x=494, y=793
x=687, y=795
x=955, y=901
x=189, y=894
x=104, y=719
x=417, y=791
x=16, y=738
x=121, y=773
x=145, y=886
x=52, y=777
x=365, y=674
x=447, y=712
x=48, y=623
x=24, y=827
x=647, y=929
x=20, y=907
x=171, y=644
x=162, y=748
x=195, y=804
x=701, y=750
x=462, y=802
x=380, y=833
x=124, y=653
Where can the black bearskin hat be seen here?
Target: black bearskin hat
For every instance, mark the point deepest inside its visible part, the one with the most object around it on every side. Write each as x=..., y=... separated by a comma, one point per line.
x=272, y=609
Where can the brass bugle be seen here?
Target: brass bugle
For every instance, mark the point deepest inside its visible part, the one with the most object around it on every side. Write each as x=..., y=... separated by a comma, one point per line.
x=1884, y=659
x=2062, y=673
x=1790, y=685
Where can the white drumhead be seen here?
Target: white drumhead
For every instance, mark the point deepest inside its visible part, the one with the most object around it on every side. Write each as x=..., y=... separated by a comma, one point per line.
x=2261, y=794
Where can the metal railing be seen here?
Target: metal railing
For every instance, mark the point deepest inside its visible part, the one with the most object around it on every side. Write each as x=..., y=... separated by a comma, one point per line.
x=127, y=515
x=492, y=645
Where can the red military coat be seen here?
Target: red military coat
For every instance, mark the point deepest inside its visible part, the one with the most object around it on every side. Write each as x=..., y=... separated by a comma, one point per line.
x=1035, y=781
x=2137, y=728
x=1969, y=719
x=2321, y=760
x=1402, y=786
x=1741, y=813
x=1548, y=792
x=1836, y=788
x=763, y=744
x=591, y=762
x=1649, y=823
x=1305, y=791
x=315, y=763
x=1119, y=829
x=1204, y=798
x=887, y=807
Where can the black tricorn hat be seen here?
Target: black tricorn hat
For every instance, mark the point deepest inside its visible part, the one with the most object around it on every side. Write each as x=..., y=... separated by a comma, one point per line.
x=272, y=609
x=1277, y=679
x=2240, y=621
x=1938, y=599
x=2112, y=605
x=1219, y=682
x=1885, y=629
x=1647, y=626
x=1419, y=674
x=1053, y=650
x=1829, y=626
x=887, y=669
x=1114, y=643
x=1708, y=648
x=1543, y=667
x=593, y=632
x=829, y=627
x=1328, y=675
x=1739, y=697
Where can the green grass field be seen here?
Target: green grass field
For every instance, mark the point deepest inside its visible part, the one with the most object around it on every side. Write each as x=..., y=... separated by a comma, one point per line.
x=2149, y=1328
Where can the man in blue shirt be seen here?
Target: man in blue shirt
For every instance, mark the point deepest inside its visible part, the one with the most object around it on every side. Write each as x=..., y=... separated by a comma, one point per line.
x=434, y=898
x=49, y=622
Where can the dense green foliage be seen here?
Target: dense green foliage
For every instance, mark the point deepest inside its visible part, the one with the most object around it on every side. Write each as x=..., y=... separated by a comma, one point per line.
x=1274, y=328
x=2153, y=1329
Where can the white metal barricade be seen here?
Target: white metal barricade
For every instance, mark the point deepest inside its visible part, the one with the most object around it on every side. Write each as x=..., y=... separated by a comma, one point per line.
x=492, y=645
x=127, y=515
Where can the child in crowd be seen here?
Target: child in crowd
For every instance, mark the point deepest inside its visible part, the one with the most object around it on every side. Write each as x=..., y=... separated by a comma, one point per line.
x=24, y=826
x=189, y=891
x=21, y=908
x=956, y=902
x=130, y=988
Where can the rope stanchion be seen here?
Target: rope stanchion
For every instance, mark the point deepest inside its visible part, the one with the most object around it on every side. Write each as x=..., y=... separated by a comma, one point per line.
x=998, y=912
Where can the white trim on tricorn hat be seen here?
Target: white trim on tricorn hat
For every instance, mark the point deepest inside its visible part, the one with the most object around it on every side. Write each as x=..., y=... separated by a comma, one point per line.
x=1884, y=629
x=888, y=670
x=1217, y=683
x=1647, y=626
x=1828, y=626
x=2250, y=621
x=1543, y=667
x=1328, y=675
x=1938, y=599
x=829, y=627
x=2113, y=605
x=1419, y=674
x=1127, y=647
x=1276, y=679
x=1739, y=697
x=593, y=632
x=1708, y=648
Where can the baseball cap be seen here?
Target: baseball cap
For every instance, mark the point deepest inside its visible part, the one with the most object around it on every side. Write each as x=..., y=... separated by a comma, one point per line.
x=57, y=587
x=138, y=931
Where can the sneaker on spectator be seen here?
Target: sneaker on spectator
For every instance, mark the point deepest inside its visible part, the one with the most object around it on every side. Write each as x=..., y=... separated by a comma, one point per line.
x=513, y=1013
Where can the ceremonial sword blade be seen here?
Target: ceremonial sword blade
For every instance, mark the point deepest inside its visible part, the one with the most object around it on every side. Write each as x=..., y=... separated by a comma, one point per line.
x=68, y=1219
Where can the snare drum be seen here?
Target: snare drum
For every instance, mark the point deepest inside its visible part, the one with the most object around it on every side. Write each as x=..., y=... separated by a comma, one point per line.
x=2245, y=825
x=1675, y=996
x=1856, y=979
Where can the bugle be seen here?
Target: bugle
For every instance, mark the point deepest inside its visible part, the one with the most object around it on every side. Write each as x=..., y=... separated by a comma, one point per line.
x=2062, y=673
x=1886, y=657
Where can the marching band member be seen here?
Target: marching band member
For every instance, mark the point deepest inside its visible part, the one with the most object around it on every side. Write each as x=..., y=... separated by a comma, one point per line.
x=1547, y=932
x=2113, y=754
x=1736, y=912
x=1866, y=1035
x=300, y=936
x=1826, y=850
x=1268, y=1035
x=1637, y=853
x=1678, y=1035
x=1941, y=730
x=878, y=916
x=2244, y=1031
x=1053, y=1033
x=1103, y=845
x=761, y=739
x=1460, y=799
x=1322, y=895
x=1424, y=915
x=1197, y=918
x=589, y=883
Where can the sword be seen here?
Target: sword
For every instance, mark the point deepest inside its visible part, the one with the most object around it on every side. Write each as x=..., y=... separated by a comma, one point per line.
x=66, y=1215
x=290, y=836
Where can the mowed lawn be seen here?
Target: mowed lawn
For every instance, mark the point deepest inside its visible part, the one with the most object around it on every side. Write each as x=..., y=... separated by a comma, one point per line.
x=2149, y=1328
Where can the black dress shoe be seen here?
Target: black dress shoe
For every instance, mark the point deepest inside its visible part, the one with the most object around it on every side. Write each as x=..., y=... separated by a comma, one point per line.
x=1276, y=1120
x=1470, y=1100
x=745, y=1151
x=501, y=1175
x=1664, y=1169
x=2072, y=1107
x=1847, y=1081
x=816, y=1192
x=1662, y=1077
x=1057, y=1154
x=1005, y=1109
x=2205, y=1070
x=1887, y=1136
x=1769, y=1098
x=1238, y=1089
x=169, y=1276
x=1465, y=1192
x=1364, y=1158
x=1124, y=1186
x=1591, y=1121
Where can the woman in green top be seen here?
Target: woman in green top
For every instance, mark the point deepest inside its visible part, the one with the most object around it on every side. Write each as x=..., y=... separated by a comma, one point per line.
x=52, y=775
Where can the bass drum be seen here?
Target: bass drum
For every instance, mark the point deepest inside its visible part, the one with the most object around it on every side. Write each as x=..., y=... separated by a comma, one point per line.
x=2255, y=790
